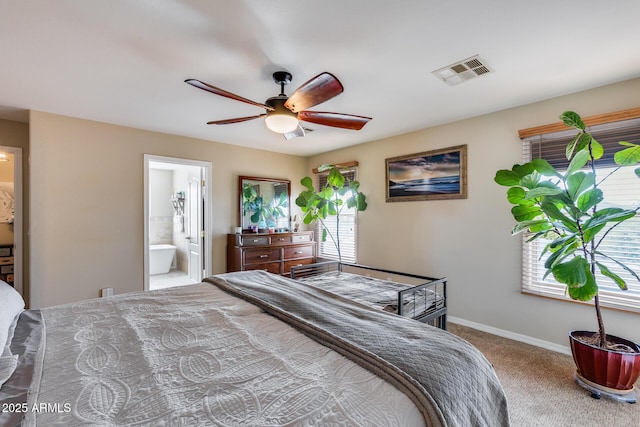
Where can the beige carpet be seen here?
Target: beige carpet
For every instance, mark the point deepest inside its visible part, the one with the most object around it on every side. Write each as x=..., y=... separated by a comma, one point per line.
x=540, y=388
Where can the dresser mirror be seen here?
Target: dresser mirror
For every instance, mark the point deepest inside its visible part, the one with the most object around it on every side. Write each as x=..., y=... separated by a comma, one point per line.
x=264, y=204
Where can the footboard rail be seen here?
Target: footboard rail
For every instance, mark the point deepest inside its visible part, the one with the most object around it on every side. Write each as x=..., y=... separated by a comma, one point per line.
x=425, y=302
x=431, y=308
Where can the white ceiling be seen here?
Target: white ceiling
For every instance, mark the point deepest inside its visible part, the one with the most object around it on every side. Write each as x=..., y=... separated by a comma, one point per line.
x=125, y=61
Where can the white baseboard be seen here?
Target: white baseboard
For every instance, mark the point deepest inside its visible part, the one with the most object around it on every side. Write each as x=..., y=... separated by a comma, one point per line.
x=512, y=335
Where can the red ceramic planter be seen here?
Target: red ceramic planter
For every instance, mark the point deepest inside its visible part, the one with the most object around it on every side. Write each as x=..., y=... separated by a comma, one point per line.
x=612, y=369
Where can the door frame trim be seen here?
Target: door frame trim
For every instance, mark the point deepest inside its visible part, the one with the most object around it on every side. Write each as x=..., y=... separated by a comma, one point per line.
x=207, y=219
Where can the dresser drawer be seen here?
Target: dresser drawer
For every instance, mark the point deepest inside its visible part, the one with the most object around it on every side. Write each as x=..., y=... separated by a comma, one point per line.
x=256, y=241
x=299, y=238
x=302, y=251
x=280, y=239
x=252, y=256
x=271, y=267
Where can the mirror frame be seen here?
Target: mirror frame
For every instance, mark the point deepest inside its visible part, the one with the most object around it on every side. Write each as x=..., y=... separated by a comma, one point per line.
x=241, y=179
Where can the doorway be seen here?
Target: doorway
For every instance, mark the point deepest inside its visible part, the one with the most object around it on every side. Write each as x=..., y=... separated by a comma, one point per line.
x=11, y=214
x=177, y=216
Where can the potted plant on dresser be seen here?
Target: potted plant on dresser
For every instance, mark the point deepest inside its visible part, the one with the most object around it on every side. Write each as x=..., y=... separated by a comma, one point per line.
x=569, y=210
x=330, y=200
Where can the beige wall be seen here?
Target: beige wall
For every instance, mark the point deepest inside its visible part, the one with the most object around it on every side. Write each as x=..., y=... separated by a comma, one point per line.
x=469, y=240
x=87, y=201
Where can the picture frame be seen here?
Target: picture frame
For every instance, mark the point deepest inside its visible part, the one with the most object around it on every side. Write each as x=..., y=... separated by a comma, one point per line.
x=431, y=175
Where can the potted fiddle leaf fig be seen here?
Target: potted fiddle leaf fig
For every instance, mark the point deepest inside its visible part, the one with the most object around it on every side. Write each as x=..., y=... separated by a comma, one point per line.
x=330, y=200
x=568, y=209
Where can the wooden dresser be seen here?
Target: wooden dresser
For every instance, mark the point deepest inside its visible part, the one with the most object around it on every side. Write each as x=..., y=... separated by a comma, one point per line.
x=275, y=253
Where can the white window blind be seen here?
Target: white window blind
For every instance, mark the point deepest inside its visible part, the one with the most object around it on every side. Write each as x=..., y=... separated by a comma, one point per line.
x=622, y=188
x=348, y=226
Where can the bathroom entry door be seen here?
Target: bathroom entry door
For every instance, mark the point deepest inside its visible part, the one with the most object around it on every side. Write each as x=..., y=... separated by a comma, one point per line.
x=196, y=228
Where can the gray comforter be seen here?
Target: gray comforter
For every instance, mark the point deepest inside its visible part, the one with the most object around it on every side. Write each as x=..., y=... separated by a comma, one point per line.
x=449, y=380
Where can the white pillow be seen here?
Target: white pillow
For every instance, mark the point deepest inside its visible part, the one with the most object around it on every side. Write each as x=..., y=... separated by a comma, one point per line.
x=7, y=366
x=12, y=306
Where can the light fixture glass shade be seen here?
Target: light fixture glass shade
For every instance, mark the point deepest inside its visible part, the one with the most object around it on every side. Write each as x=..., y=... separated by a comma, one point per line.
x=281, y=123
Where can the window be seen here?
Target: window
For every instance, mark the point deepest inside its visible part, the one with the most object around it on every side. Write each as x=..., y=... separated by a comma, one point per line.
x=622, y=189
x=348, y=222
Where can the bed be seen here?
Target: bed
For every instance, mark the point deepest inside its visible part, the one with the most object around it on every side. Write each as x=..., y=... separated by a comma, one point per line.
x=240, y=349
x=419, y=297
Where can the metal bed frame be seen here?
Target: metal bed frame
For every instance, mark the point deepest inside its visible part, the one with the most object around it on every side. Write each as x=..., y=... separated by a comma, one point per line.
x=434, y=314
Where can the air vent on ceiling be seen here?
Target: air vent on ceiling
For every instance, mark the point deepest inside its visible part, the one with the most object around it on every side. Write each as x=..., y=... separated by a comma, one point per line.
x=462, y=71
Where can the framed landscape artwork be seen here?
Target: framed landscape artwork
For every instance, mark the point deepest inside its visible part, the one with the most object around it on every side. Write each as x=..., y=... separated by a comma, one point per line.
x=432, y=175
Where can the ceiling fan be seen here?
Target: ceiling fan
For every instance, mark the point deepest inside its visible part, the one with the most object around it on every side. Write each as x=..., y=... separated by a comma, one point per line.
x=283, y=113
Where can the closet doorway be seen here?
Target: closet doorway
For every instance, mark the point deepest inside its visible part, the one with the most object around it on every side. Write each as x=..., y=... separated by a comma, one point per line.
x=177, y=215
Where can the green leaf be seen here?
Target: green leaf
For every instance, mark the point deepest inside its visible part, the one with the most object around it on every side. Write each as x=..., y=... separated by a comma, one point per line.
x=590, y=233
x=361, y=202
x=584, y=139
x=584, y=292
x=507, y=178
x=572, y=119
x=542, y=191
x=335, y=178
x=531, y=180
x=589, y=199
x=550, y=208
x=332, y=208
x=628, y=156
x=308, y=217
x=536, y=236
x=578, y=162
x=599, y=220
x=544, y=226
x=572, y=273
x=307, y=182
x=524, y=169
x=609, y=215
x=571, y=146
x=627, y=269
x=525, y=212
x=526, y=225
x=610, y=274
x=561, y=252
x=597, y=150
x=515, y=196
x=543, y=167
x=578, y=183
x=568, y=240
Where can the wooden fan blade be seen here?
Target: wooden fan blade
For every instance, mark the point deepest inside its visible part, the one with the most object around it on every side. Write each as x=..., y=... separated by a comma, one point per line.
x=319, y=89
x=236, y=120
x=338, y=120
x=298, y=132
x=226, y=94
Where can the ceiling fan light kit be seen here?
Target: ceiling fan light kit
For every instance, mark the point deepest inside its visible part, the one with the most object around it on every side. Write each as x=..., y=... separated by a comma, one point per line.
x=283, y=114
x=281, y=119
